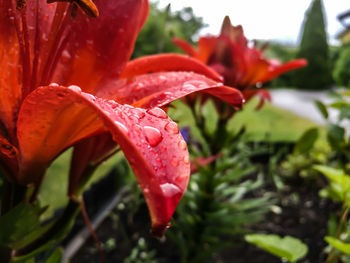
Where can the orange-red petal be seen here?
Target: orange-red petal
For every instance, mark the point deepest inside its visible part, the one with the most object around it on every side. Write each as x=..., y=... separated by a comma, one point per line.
x=10, y=92
x=167, y=62
x=159, y=89
x=53, y=118
x=100, y=47
x=275, y=71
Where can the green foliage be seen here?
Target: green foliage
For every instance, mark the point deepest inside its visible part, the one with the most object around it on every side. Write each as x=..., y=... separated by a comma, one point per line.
x=314, y=48
x=322, y=108
x=162, y=26
x=221, y=199
x=338, y=244
x=18, y=224
x=141, y=254
x=218, y=203
x=307, y=141
x=339, y=185
x=288, y=248
x=341, y=72
x=56, y=256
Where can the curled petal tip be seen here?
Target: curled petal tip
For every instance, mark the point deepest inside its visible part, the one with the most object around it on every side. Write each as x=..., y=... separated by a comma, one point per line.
x=158, y=230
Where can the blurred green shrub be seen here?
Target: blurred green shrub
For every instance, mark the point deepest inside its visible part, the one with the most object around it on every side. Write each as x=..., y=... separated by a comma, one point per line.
x=341, y=72
x=162, y=25
x=314, y=48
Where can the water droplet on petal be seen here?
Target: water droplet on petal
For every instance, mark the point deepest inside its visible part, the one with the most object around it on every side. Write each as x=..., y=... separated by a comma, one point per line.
x=54, y=85
x=90, y=97
x=74, y=88
x=158, y=112
x=153, y=135
x=66, y=56
x=174, y=162
x=170, y=190
x=181, y=178
x=121, y=126
x=182, y=145
x=139, y=113
x=171, y=127
x=186, y=159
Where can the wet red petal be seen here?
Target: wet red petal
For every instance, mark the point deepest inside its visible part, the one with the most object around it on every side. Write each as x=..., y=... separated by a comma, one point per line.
x=167, y=62
x=275, y=71
x=9, y=63
x=186, y=47
x=100, y=47
x=159, y=89
x=53, y=118
x=206, y=48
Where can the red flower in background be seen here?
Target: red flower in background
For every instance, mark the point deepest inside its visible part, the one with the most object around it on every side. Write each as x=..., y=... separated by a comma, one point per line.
x=242, y=66
x=67, y=82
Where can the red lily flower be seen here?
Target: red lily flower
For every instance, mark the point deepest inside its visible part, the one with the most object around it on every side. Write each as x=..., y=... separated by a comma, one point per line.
x=116, y=99
x=241, y=66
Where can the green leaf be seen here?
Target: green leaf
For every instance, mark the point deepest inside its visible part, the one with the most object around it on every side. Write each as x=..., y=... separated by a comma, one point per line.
x=307, y=141
x=18, y=223
x=335, y=175
x=56, y=256
x=322, y=108
x=289, y=248
x=336, y=132
x=338, y=244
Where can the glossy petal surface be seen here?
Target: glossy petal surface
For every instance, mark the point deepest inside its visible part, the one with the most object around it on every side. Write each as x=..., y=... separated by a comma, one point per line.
x=167, y=62
x=53, y=118
x=159, y=89
x=10, y=92
x=100, y=47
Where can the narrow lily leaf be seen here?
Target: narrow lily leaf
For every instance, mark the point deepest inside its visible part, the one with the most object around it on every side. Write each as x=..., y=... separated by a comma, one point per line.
x=150, y=141
x=338, y=244
x=159, y=89
x=19, y=222
x=322, y=108
x=167, y=62
x=307, y=141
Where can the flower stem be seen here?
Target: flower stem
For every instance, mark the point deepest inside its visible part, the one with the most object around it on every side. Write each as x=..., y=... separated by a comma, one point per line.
x=339, y=230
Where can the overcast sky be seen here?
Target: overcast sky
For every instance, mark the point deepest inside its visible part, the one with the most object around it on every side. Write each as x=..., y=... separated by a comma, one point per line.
x=262, y=19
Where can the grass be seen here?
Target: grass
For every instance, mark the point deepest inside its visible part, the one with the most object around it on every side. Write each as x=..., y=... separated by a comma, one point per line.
x=269, y=124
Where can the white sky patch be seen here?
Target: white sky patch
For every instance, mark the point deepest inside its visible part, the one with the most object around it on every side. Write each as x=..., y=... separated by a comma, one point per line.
x=279, y=20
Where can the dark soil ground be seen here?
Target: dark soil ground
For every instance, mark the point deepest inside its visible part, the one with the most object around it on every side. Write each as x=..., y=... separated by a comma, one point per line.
x=303, y=215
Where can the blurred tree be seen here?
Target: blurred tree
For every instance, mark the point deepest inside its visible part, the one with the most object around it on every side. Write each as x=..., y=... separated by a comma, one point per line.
x=341, y=72
x=314, y=47
x=162, y=26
